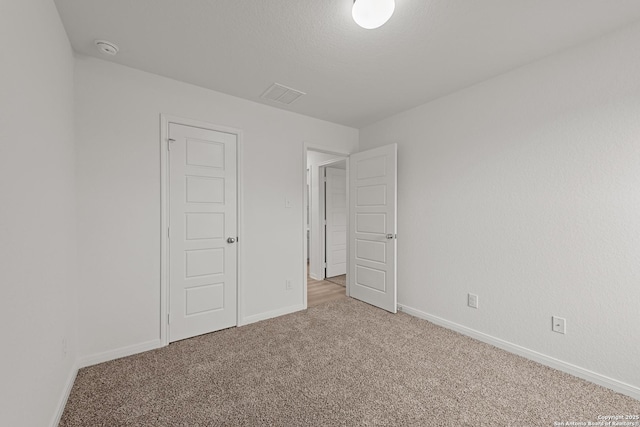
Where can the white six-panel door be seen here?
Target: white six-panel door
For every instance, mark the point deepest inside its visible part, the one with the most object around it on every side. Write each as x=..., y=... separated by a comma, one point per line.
x=336, y=215
x=202, y=216
x=372, y=214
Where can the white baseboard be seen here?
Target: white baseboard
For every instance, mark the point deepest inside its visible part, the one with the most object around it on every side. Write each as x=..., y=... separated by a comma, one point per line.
x=62, y=402
x=271, y=314
x=585, y=374
x=106, y=356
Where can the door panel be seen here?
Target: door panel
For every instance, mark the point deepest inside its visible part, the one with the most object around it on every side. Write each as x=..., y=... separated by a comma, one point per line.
x=336, y=215
x=202, y=214
x=372, y=257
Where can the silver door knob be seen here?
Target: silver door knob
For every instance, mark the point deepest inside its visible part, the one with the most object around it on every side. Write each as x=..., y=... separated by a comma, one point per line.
x=231, y=240
x=389, y=236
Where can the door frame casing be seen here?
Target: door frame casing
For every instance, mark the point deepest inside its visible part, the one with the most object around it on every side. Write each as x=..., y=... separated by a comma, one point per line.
x=306, y=148
x=165, y=121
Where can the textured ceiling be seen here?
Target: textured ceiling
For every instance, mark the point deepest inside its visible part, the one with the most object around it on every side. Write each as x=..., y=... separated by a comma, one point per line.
x=351, y=76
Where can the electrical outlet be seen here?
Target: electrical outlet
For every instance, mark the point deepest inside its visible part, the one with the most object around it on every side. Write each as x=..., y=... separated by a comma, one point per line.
x=287, y=285
x=559, y=324
x=472, y=300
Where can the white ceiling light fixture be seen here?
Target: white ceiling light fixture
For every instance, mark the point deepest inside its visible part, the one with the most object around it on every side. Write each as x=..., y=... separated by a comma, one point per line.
x=372, y=14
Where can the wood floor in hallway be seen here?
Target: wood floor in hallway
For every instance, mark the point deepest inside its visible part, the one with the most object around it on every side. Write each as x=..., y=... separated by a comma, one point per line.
x=319, y=291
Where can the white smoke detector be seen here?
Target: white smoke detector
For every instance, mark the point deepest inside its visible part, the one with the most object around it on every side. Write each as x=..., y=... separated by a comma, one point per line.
x=106, y=47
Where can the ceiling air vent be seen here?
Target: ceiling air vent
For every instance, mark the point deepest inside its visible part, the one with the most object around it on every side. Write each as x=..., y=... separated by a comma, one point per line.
x=282, y=94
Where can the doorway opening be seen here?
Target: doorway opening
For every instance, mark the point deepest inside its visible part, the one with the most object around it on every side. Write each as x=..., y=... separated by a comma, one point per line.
x=326, y=219
x=371, y=210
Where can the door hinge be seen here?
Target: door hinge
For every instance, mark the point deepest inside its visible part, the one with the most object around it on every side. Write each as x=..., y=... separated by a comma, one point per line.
x=168, y=232
x=170, y=141
x=168, y=318
x=324, y=265
x=324, y=222
x=324, y=179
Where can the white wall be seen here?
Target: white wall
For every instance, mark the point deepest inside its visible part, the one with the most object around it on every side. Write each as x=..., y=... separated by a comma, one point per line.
x=316, y=246
x=37, y=214
x=525, y=190
x=118, y=137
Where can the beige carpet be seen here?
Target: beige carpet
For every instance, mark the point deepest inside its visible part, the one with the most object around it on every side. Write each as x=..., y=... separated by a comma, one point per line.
x=342, y=363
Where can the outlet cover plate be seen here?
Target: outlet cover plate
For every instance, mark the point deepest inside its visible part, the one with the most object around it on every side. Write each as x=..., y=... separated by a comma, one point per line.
x=472, y=300
x=559, y=324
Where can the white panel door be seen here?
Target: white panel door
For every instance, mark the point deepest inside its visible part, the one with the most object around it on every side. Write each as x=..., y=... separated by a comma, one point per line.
x=372, y=215
x=202, y=216
x=336, y=215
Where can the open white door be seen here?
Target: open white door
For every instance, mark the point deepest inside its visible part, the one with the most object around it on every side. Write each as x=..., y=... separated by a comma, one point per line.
x=372, y=225
x=336, y=215
x=203, y=231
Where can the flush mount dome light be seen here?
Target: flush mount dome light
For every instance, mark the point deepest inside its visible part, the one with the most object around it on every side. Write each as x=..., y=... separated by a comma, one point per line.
x=372, y=14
